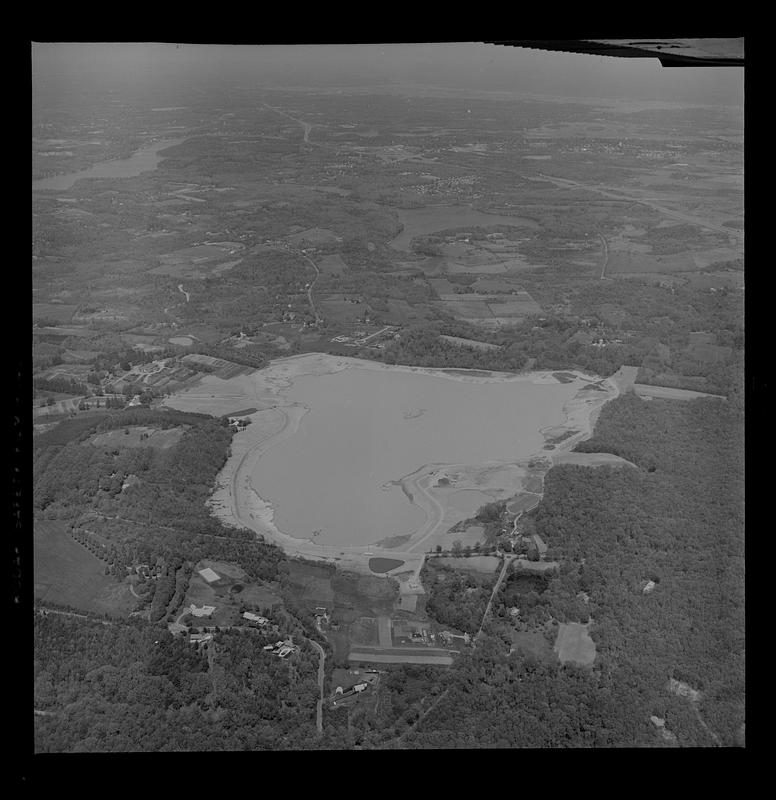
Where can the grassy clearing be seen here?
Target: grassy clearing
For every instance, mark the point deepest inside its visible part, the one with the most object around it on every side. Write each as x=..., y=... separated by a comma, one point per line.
x=138, y=436
x=485, y=564
x=54, y=311
x=626, y=261
x=67, y=573
x=533, y=643
x=591, y=460
x=574, y=644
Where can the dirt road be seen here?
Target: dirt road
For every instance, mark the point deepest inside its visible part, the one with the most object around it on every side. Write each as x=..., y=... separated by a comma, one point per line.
x=503, y=572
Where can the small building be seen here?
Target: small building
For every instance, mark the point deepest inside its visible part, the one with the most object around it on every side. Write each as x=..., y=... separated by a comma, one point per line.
x=251, y=617
x=648, y=587
x=200, y=638
x=359, y=687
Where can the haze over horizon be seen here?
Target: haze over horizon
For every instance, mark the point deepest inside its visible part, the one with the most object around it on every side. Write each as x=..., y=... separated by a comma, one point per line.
x=474, y=66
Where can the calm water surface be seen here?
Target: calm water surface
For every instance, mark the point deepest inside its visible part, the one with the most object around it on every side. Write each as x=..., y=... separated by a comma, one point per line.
x=142, y=161
x=367, y=427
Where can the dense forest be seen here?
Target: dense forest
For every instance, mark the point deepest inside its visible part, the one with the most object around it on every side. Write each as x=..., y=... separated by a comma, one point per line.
x=123, y=687
x=144, y=503
x=647, y=326
x=677, y=521
x=456, y=598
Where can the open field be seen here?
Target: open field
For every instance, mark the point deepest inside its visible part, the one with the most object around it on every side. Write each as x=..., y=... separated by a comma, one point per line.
x=574, y=644
x=66, y=572
x=226, y=594
x=400, y=655
x=533, y=643
x=590, y=460
x=134, y=437
x=60, y=312
x=469, y=343
x=627, y=261
x=669, y=393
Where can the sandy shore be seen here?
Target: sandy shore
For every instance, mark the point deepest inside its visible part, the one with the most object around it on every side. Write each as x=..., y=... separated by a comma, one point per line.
x=235, y=501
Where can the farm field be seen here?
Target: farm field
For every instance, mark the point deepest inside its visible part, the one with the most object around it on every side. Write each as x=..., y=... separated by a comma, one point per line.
x=66, y=572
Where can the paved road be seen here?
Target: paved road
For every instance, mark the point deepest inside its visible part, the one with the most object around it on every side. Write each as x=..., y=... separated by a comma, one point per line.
x=606, y=255
x=305, y=125
x=321, y=663
x=310, y=289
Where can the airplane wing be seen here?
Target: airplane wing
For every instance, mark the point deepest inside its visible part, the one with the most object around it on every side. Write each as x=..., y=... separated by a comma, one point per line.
x=671, y=52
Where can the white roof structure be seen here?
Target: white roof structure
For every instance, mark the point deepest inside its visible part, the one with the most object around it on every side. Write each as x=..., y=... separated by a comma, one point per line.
x=209, y=575
x=255, y=618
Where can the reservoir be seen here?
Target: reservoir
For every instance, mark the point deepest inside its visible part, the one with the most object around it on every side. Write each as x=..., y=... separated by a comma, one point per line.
x=430, y=219
x=142, y=161
x=367, y=428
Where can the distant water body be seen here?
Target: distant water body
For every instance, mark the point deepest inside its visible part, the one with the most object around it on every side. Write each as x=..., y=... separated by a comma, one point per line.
x=142, y=161
x=363, y=430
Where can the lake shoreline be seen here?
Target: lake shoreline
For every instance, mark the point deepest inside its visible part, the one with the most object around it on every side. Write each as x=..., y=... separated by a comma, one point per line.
x=235, y=500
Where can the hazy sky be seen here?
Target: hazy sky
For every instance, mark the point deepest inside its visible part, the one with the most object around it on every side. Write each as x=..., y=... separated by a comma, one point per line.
x=455, y=65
